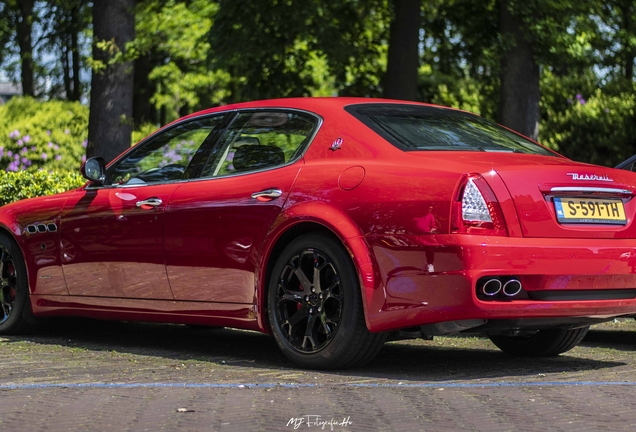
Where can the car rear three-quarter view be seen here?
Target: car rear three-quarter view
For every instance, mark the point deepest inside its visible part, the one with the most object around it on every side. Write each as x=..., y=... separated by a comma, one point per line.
x=335, y=224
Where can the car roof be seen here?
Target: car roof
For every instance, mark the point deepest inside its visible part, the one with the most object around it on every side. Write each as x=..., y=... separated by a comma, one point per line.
x=320, y=105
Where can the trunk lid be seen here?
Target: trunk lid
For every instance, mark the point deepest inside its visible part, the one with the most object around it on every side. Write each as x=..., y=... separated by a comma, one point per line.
x=541, y=187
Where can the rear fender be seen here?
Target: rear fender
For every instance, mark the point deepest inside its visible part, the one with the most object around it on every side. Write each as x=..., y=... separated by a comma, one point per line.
x=336, y=221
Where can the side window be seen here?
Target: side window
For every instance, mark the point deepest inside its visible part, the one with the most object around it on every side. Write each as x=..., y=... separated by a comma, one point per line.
x=259, y=140
x=166, y=156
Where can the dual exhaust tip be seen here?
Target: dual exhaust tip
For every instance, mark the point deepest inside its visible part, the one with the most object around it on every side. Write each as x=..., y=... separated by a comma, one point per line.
x=492, y=287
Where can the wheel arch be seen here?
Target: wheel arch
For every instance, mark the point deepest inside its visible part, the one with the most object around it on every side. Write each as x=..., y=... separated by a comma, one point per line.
x=298, y=221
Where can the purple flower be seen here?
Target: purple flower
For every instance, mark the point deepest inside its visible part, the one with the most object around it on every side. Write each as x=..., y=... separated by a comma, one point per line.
x=66, y=131
x=16, y=157
x=15, y=134
x=578, y=96
x=48, y=132
x=58, y=157
x=84, y=158
x=44, y=156
x=582, y=101
x=28, y=163
x=1, y=152
x=50, y=144
x=570, y=101
x=26, y=138
x=24, y=151
x=56, y=147
x=13, y=166
x=33, y=148
x=84, y=143
x=24, y=160
x=9, y=153
x=20, y=143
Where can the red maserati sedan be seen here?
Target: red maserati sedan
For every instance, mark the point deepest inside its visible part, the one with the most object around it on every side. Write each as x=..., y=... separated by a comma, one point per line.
x=333, y=224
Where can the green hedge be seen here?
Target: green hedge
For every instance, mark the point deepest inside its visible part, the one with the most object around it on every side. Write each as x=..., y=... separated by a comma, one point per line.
x=15, y=186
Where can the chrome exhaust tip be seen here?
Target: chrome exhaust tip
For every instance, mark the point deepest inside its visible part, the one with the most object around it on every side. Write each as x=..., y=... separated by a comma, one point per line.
x=512, y=288
x=491, y=287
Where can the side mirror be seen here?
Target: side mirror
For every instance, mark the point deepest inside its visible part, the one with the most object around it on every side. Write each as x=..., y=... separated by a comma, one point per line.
x=94, y=170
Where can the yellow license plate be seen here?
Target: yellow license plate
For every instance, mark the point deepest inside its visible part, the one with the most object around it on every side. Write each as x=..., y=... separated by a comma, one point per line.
x=590, y=211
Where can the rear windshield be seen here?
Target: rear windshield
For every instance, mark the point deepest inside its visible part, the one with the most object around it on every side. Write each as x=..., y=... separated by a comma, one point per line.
x=413, y=127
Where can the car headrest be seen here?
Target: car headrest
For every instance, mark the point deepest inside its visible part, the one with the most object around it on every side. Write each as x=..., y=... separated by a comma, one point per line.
x=255, y=157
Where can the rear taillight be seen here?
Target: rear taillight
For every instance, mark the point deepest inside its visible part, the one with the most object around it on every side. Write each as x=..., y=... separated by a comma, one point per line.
x=476, y=209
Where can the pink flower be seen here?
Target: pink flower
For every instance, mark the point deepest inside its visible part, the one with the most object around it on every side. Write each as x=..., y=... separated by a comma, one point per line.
x=14, y=134
x=26, y=138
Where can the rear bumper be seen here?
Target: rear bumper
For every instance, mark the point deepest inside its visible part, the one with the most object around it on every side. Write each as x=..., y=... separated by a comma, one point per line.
x=433, y=278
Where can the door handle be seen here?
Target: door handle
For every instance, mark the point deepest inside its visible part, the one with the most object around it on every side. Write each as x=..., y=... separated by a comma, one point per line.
x=267, y=194
x=150, y=202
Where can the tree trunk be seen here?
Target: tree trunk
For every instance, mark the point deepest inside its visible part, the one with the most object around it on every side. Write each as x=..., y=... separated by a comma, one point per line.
x=110, y=118
x=24, y=26
x=520, y=91
x=403, y=58
x=66, y=70
x=143, y=110
x=628, y=49
x=75, y=56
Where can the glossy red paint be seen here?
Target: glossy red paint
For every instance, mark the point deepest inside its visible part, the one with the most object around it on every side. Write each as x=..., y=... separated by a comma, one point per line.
x=203, y=255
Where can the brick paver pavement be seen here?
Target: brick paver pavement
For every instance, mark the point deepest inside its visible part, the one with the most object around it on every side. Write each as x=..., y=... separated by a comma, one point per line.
x=135, y=377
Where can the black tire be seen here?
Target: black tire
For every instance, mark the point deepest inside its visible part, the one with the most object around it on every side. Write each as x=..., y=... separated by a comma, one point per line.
x=16, y=316
x=543, y=343
x=315, y=306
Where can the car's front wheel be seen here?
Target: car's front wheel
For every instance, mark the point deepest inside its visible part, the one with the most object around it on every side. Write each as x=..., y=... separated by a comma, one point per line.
x=315, y=306
x=15, y=306
x=542, y=343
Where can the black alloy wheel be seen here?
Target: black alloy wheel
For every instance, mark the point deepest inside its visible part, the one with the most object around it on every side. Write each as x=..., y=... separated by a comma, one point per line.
x=315, y=306
x=8, y=282
x=15, y=308
x=309, y=301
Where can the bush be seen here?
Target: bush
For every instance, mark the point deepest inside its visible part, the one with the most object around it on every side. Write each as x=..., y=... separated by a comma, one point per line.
x=35, y=135
x=15, y=186
x=586, y=123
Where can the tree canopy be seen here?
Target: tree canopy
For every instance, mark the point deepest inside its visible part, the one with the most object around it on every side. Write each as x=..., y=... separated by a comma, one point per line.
x=558, y=70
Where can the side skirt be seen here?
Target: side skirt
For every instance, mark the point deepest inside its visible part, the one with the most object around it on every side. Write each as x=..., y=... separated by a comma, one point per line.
x=236, y=315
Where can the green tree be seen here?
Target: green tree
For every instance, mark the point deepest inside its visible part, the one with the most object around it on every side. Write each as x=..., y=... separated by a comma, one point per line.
x=16, y=28
x=281, y=48
x=172, y=73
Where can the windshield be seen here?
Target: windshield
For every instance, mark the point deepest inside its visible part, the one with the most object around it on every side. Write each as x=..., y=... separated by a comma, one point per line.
x=413, y=127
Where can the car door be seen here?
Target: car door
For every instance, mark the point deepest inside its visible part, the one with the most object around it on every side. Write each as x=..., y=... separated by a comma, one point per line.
x=112, y=235
x=216, y=225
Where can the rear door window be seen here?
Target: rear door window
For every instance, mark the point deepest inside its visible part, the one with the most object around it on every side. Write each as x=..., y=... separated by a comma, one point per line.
x=259, y=140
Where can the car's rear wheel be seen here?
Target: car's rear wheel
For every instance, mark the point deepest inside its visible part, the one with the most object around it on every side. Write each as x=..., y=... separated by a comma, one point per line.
x=315, y=306
x=542, y=343
x=15, y=306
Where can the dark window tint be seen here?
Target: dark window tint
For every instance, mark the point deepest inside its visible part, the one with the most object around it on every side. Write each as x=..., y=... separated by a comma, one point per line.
x=258, y=140
x=166, y=156
x=412, y=127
